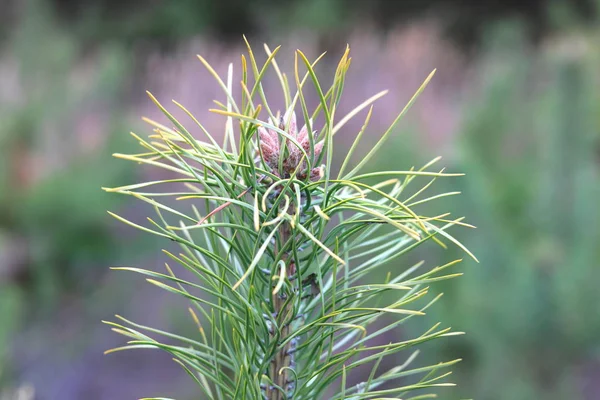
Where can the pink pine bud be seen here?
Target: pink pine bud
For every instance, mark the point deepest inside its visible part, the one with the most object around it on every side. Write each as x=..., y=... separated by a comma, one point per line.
x=269, y=146
x=316, y=174
x=319, y=148
x=303, y=139
x=291, y=119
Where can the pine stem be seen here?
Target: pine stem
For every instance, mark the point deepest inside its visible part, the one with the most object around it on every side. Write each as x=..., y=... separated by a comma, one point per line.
x=284, y=359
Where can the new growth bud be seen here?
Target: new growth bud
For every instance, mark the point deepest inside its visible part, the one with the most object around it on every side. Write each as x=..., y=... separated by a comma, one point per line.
x=295, y=148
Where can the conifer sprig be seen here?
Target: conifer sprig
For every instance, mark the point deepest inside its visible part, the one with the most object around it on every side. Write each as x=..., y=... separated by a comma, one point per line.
x=285, y=256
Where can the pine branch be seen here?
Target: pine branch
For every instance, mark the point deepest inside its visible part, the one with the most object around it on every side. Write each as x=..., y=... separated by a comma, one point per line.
x=283, y=254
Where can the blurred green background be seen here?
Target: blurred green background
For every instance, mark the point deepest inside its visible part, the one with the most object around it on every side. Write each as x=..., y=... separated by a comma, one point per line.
x=515, y=104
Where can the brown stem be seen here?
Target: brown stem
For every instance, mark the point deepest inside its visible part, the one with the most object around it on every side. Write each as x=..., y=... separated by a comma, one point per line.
x=284, y=358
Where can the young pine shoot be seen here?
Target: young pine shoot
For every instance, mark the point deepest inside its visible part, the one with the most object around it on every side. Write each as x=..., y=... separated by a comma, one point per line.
x=287, y=262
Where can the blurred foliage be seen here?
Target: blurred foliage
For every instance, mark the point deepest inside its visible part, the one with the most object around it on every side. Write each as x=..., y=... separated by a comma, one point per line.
x=53, y=225
x=51, y=176
x=529, y=146
x=166, y=21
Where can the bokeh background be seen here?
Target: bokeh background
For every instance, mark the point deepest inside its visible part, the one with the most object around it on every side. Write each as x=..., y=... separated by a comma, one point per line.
x=515, y=104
